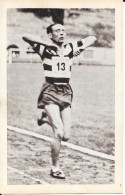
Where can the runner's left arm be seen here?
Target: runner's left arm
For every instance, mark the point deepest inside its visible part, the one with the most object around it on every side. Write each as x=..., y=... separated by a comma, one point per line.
x=79, y=46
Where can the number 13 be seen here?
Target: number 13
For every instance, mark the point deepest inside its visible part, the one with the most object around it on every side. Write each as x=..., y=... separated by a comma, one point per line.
x=61, y=66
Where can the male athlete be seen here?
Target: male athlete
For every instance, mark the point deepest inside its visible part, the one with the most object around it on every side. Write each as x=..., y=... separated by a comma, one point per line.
x=56, y=94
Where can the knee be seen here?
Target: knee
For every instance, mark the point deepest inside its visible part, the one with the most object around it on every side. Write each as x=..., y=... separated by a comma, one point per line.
x=59, y=132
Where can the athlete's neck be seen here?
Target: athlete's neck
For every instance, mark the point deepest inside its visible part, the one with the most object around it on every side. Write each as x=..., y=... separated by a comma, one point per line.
x=57, y=43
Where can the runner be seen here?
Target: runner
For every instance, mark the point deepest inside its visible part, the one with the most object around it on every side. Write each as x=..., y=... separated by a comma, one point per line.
x=56, y=94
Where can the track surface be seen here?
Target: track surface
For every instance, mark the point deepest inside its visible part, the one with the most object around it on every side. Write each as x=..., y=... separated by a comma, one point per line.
x=69, y=145
x=29, y=163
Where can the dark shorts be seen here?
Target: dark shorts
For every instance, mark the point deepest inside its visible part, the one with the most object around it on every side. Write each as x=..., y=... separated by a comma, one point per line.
x=60, y=95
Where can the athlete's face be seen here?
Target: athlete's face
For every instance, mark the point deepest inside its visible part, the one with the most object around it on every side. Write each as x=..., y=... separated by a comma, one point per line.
x=58, y=33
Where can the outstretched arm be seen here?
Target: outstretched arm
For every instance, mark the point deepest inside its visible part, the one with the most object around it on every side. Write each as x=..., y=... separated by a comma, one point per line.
x=79, y=46
x=36, y=42
x=31, y=40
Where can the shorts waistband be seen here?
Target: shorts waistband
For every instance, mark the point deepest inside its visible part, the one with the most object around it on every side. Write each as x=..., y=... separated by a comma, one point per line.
x=52, y=80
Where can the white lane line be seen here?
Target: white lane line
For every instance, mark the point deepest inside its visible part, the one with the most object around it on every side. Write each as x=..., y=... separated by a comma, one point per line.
x=69, y=145
x=26, y=175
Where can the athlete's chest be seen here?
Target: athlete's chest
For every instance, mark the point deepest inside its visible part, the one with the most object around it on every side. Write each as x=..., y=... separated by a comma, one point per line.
x=58, y=63
x=63, y=53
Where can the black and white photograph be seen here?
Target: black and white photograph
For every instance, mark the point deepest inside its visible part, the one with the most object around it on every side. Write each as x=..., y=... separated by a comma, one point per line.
x=61, y=96
x=65, y=59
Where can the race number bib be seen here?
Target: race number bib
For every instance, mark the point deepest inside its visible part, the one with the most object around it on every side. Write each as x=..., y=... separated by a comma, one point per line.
x=60, y=65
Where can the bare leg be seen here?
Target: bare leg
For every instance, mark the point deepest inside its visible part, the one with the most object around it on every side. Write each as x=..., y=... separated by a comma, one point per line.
x=66, y=118
x=55, y=150
x=53, y=113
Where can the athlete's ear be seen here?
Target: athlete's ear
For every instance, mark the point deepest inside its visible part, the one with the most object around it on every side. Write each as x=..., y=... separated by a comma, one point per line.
x=50, y=35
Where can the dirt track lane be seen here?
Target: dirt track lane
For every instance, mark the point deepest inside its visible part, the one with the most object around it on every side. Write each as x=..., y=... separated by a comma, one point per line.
x=32, y=156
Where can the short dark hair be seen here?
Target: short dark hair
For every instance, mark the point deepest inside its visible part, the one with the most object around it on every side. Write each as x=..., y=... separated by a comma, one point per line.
x=49, y=28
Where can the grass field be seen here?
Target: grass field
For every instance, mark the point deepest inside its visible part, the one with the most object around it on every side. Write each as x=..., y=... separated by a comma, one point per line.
x=93, y=116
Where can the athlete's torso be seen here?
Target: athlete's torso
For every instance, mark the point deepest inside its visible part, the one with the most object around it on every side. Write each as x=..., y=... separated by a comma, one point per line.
x=57, y=64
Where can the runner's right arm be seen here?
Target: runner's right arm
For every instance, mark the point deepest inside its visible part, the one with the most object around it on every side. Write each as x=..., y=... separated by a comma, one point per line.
x=37, y=44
